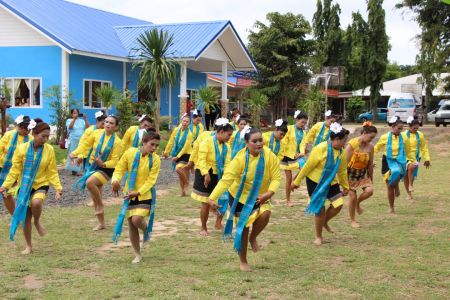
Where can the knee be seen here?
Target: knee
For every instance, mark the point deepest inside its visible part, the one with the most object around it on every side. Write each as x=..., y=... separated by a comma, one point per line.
x=90, y=184
x=369, y=191
x=36, y=203
x=136, y=221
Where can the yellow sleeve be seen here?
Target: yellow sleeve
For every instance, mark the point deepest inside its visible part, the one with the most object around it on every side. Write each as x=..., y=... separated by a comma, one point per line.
x=187, y=148
x=274, y=173
x=311, y=163
x=194, y=154
x=266, y=139
x=152, y=177
x=342, y=172
x=17, y=166
x=424, y=147
x=116, y=152
x=304, y=142
x=4, y=143
x=84, y=146
x=121, y=167
x=228, y=158
x=171, y=141
x=230, y=175
x=230, y=141
x=381, y=145
x=52, y=171
x=202, y=129
x=410, y=154
x=203, y=156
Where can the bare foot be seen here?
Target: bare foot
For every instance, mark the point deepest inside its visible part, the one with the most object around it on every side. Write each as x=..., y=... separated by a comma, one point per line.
x=359, y=210
x=244, y=267
x=204, y=232
x=328, y=228
x=411, y=188
x=137, y=259
x=218, y=226
x=40, y=229
x=90, y=204
x=27, y=251
x=289, y=203
x=99, y=227
x=409, y=197
x=183, y=193
x=391, y=210
x=254, y=245
x=318, y=241
x=355, y=225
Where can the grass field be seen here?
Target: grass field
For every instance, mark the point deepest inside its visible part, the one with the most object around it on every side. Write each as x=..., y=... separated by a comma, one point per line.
x=402, y=256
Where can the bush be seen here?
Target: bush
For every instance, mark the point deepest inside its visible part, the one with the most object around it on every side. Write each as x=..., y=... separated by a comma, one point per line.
x=313, y=105
x=165, y=120
x=125, y=111
x=354, y=107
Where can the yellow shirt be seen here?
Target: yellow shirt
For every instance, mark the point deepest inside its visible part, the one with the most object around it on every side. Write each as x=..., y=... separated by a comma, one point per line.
x=187, y=148
x=145, y=179
x=194, y=131
x=316, y=163
x=381, y=145
x=93, y=140
x=290, y=142
x=207, y=156
x=233, y=174
x=5, y=142
x=424, y=153
x=312, y=136
x=266, y=139
x=128, y=137
x=47, y=173
x=194, y=153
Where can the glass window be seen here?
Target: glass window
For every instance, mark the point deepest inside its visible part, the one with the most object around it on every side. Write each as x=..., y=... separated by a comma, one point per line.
x=86, y=93
x=401, y=103
x=95, y=101
x=36, y=88
x=23, y=92
x=90, y=100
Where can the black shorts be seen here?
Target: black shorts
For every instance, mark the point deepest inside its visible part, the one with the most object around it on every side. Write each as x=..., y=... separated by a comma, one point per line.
x=240, y=206
x=288, y=159
x=108, y=171
x=199, y=183
x=384, y=165
x=184, y=159
x=333, y=194
x=42, y=189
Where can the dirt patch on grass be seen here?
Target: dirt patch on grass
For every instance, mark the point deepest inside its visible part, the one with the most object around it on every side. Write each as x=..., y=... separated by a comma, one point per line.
x=32, y=282
x=335, y=292
x=110, y=201
x=93, y=271
x=428, y=229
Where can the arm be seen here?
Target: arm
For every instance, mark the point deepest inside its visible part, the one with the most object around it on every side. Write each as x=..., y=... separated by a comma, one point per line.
x=52, y=171
x=410, y=154
x=275, y=177
x=311, y=163
x=424, y=148
x=4, y=142
x=309, y=138
x=370, y=166
x=126, y=140
x=16, y=169
x=86, y=122
x=228, y=158
x=152, y=177
x=116, y=152
x=349, y=152
x=171, y=141
x=381, y=145
x=202, y=157
x=230, y=175
x=70, y=123
x=121, y=168
x=84, y=146
x=342, y=172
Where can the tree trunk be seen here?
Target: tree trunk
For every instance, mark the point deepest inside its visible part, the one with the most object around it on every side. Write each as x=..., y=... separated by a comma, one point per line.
x=158, y=107
x=374, y=96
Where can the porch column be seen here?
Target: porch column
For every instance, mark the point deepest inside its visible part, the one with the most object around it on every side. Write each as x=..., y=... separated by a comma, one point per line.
x=64, y=77
x=224, y=100
x=183, y=88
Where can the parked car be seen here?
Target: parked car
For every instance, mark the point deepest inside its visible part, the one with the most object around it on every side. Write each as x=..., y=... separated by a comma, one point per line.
x=367, y=116
x=432, y=115
x=402, y=105
x=443, y=115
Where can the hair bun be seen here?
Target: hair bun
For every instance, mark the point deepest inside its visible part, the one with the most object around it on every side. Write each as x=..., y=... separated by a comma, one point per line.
x=367, y=124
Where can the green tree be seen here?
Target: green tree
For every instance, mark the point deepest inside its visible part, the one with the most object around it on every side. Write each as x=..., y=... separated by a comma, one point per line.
x=109, y=95
x=283, y=54
x=314, y=105
x=377, y=51
x=354, y=107
x=157, y=67
x=209, y=96
x=125, y=111
x=257, y=102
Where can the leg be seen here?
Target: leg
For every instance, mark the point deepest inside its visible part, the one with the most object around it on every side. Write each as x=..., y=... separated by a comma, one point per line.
x=10, y=204
x=330, y=214
x=95, y=189
x=218, y=224
x=36, y=211
x=257, y=227
x=353, y=199
x=391, y=197
x=204, y=214
x=406, y=182
x=366, y=194
x=396, y=189
x=27, y=233
x=135, y=223
x=319, y=221
x=243, y=255
x=410, y=174
x=287, y=187
x=183, y=180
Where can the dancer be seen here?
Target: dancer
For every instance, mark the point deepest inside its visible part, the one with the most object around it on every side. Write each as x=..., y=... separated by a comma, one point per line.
x=419, y=149
x=236, y=142
x=196, y=126
x=133, y=135
x=293, y=159
x=397, y=151
x=235, y=117
x=213, y=157
x=272, y=139
x=75, y=128
x=359, y=152
x=108, y=149
x=8, y=144
x=319, y=133
x=34, y=169
x=252, y=178
x=179, y=148
x=142, y=165
x=325, y=170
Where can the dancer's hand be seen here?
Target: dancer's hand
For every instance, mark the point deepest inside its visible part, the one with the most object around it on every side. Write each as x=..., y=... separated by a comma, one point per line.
x=79, y=161
x=98, y=160
x=174, y=159
x=115, y=188
x=427, y=164
x=344, y=192
x=58, y=195
x=213, y=204
x=207, y=180
x=132, y=194
x=264, y=197
x=298, y=155
x=189, y=165
x=294, y=187
x=3, y=191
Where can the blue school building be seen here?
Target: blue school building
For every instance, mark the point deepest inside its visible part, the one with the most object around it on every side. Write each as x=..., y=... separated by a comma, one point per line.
x=54, y=42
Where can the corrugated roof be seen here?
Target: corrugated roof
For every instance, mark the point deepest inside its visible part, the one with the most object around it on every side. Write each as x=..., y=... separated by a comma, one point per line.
x=74, y=26
x=190, y=39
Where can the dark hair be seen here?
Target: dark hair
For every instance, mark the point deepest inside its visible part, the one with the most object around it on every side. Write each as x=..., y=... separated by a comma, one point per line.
x=146, y=118
x=24, y=124
x=198, y=114
x=226, y=127
x=331, y=116
x=250, y=133
x=397, y=122
x=302, y=115
x=38, y=120
x=369, y=129
x=414, y=122
x=41, y=126
x=151, y=129
x=283, y=127
x=115, y=118
x=73, y=109
x=185, y=116
x=342, y=134
x=102, y=117
x=242, y=119
x=150, y=135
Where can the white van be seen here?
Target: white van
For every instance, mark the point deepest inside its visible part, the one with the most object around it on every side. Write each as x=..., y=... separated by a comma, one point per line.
x=402, y=105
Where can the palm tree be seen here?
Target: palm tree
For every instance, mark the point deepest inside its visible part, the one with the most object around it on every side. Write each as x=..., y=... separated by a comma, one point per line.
x=209, y=96
x=156, y=67
x=257, y=101
x=108, y=95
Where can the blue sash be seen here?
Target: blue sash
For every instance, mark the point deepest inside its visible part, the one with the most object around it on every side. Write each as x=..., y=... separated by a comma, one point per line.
x=275, y=150
x=136, y=140
x=319, y=138
x=30, y=169
x=87, y=164
x=197, y=131
x=298, y=139
x=220, y=165
x=397, y=165
x=238, y=144
x=9, y=155
x=151, y=219
x=81, y=183
x=179, y=144
x=408, y=134
x=249, y=204
x=319, y=196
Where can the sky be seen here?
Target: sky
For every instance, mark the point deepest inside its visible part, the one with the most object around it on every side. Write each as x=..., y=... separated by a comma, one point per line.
x=243, y=14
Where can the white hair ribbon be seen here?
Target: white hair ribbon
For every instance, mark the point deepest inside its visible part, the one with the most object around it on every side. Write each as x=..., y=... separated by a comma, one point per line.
x=297, y=112
x=32, y=124
x=336, y=127
x=328, y=113
x=245, y=131
x=142, y=118
x=19, y=119
x=279, y=122
x=98, y=114
x=410, y=119
x=221, y=122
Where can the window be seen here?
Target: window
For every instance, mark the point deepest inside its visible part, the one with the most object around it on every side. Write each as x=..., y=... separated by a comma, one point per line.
x=89, y=87
x=401, y=103
x=23, y=92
